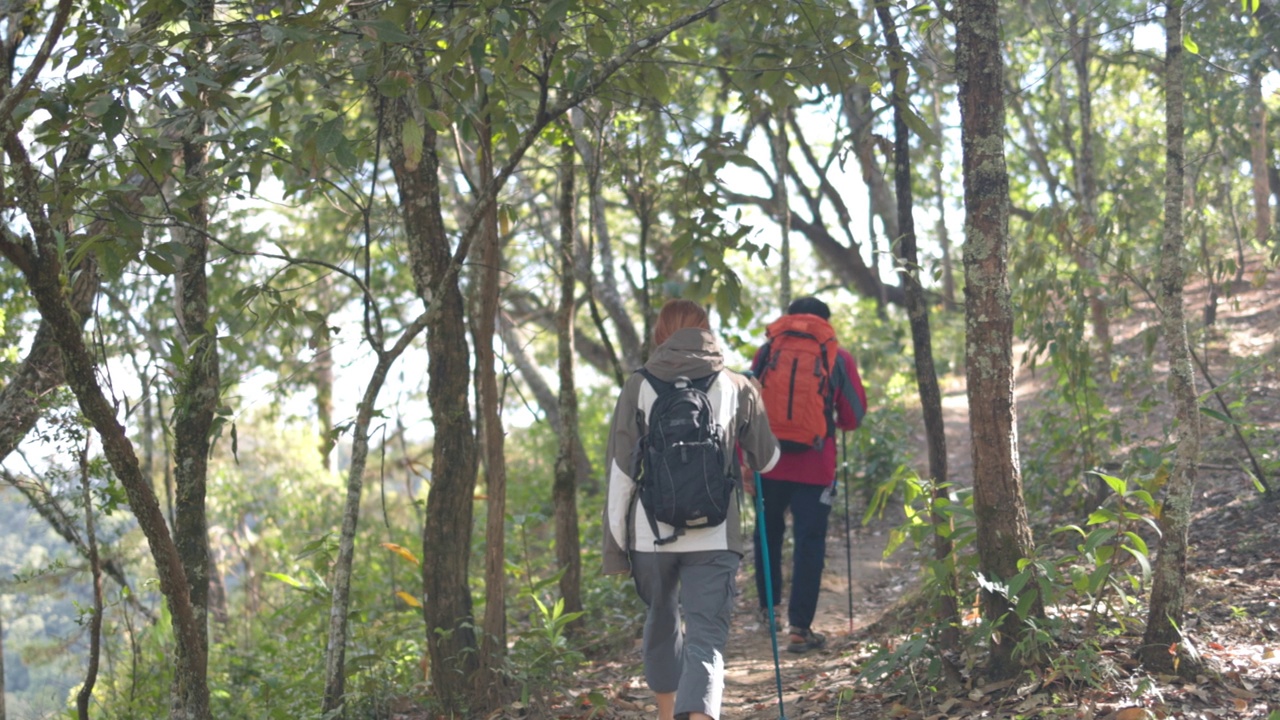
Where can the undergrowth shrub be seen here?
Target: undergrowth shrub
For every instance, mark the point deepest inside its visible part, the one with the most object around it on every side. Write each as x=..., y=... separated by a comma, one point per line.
x=1090, y=590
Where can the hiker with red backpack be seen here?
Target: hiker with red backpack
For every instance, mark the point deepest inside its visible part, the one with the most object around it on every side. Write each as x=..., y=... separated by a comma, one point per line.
x=670, y=516
x=811, y=388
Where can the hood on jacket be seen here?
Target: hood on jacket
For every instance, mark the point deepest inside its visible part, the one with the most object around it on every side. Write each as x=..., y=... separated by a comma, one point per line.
x=691, y=352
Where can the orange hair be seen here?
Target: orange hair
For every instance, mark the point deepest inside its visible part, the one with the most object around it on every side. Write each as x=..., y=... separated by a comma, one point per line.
x=677, y=315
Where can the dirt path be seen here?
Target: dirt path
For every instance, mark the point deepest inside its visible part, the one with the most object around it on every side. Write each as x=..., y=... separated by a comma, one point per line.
x=750, y=683
x=751, y=688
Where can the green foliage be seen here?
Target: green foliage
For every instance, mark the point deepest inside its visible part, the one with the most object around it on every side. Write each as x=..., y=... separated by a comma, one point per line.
x=1100, y=571
x=542, y=658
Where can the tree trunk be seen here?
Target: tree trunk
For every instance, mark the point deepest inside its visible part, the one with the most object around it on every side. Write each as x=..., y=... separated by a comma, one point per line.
x=1004, y=536
x=85, y=694
x=446, y=534
x=565, y=490
x=493, y=639
x=1273, y=178
x=921, y=339
x=340, y=595
x=1259, y=155
x=3, y=715
x=198, y=389
x=1087, y=187
x=41, y=370
x=779, y=146
x=322, y=378
x=1164, y=647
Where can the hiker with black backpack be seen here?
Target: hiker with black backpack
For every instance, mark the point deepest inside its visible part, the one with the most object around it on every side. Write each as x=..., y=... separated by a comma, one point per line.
x=671, y=515
x=811, y=388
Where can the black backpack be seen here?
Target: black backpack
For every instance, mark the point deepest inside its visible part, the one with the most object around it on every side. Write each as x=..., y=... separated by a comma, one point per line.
x=685, y=474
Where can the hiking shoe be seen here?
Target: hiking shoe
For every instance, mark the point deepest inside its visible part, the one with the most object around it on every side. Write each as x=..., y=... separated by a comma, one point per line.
x=802, y=641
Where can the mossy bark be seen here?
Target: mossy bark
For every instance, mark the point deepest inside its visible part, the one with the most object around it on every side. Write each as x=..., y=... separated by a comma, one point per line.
x=565, y=488
x=1164, y=648
x=1003, y=533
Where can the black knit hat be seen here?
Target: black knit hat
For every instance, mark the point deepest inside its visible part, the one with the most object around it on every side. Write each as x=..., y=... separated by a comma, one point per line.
x=809, y=306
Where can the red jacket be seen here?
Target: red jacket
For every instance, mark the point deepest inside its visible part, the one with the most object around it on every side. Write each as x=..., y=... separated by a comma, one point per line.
x=818, y=467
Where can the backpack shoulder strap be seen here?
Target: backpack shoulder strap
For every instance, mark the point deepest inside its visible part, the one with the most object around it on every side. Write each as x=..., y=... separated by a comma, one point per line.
x=661, y=386
x=704, y=383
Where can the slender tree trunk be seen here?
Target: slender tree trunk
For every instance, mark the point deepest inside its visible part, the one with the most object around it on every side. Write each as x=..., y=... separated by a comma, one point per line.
x=1273, y=177
x=1164, y=647
x=85, y=695
x=340, y=595
x=1087, y=186
x=199, y=387
x=1259, y=155
x=446, y=534
x=493, y=640
x=565, y=490
x=3, y=715
x=322, y=379
x=1004, y=535
x=1211, y=300
x=779, y=148
x=198, y=395
x=921, y=338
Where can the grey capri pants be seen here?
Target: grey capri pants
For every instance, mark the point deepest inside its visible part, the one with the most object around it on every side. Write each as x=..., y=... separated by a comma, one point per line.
x=698, y=588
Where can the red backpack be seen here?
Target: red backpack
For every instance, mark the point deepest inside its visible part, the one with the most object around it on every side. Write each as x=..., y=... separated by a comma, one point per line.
x=795, y=374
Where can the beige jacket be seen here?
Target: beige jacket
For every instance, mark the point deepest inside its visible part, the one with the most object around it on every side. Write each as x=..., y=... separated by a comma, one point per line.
x=695, y=354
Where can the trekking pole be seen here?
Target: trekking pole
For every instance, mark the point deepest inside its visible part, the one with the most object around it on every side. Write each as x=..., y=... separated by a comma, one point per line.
x=848, y=543
x=768, y=592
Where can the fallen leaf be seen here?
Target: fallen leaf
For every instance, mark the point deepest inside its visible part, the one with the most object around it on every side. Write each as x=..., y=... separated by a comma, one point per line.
x=1132, y=713
x=1242, y=693
x=1241, y=705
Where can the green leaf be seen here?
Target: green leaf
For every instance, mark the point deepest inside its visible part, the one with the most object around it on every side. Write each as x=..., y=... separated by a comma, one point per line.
x=1098, y=537
x=411, y=136
x=1190, y=44
x=113, y=120
x=292, y=582
x=159, y=264
x=1217, y=415
x=437, y=120
x=329, y=135
x=1101, y=515
x=1143, y=560
x=1139, y=545
x=1116, y=484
